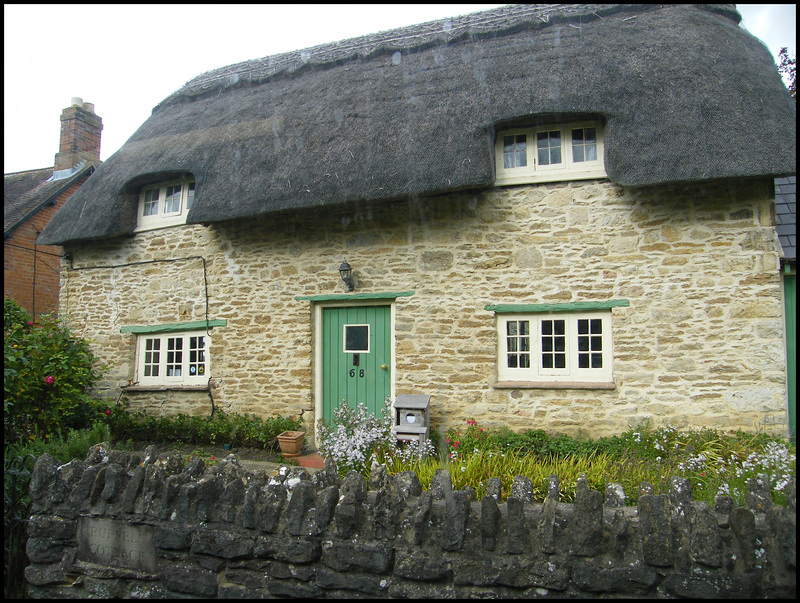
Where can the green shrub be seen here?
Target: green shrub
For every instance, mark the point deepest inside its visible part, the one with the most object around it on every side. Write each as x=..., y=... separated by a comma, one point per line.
x=715, y=463
x=46, y=377
x=73, y=444
x=355, y=438
x=245, y=430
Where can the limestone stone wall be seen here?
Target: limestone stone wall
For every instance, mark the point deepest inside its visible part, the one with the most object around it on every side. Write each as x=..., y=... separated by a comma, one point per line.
x=699, y=345
x=119, y=526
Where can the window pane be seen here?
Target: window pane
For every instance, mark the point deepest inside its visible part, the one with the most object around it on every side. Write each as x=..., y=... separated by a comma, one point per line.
x=190, y=196
x=584, y=145
x=150, y=202
x=174, y=356
x=515, y=151
x=197, y=356
x=522, y=151
x=553, y=344
x=517, y=340
x=152, y=357
x=508, y=152
x=356, y=338
x=172, y=201
x=555, y=155
x=544, y=157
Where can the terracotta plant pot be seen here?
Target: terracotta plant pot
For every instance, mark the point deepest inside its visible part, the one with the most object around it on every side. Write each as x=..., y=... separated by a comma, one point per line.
x=291, y=442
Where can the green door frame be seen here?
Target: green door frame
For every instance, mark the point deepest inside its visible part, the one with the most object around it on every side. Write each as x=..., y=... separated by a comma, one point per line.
x=318, y=345
x=790, y=318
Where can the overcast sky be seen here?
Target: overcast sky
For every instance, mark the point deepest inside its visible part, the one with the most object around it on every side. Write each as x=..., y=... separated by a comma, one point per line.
x=127, y=58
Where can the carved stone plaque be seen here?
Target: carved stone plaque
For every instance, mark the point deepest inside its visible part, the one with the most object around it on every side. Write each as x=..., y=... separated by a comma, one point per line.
x=116, y=544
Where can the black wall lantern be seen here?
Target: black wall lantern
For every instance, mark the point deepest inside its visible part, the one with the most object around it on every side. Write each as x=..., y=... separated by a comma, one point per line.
x=345, y=271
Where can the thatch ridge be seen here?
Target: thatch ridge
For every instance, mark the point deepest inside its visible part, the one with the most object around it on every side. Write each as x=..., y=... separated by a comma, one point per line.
x=685, y=95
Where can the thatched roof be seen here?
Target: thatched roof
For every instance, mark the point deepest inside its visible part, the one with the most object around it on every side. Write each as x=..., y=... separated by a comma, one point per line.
x=685, y=95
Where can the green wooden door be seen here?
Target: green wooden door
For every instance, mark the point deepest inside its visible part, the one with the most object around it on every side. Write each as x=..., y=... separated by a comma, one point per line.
x=790, y=311
x=356, y=357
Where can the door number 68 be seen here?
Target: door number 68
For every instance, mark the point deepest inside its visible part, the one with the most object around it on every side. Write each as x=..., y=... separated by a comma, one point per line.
x=353, y=372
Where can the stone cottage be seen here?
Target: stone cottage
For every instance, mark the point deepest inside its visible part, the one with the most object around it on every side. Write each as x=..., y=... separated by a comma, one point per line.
x=556, y=217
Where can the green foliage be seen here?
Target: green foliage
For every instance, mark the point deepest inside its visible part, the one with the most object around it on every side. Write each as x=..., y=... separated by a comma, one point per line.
x=788, y=68
x=74, y=444
x=356, y=438
x=245, y=430
x=47, y=373
x=715, y=463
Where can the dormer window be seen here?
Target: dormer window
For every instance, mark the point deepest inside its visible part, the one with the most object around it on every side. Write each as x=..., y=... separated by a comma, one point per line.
x=165, y=204
x=550, y=153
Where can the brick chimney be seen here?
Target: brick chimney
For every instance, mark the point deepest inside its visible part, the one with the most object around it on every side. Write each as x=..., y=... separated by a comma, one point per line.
x=80, y=135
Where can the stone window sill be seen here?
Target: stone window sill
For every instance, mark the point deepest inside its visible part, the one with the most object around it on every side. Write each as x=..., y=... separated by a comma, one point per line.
x=163, y=388
x=555, y=385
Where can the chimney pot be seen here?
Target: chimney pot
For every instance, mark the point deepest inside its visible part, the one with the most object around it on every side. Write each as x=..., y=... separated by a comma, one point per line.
x=76, y=100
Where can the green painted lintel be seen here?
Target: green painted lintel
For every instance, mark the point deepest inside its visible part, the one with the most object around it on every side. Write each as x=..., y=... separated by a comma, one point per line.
x=178, y=326
x=565, y=307
x=353, y=296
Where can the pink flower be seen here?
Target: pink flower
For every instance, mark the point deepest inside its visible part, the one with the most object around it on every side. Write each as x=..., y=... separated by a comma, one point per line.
x=30, y=323
x=49, y=380
x=107, y=413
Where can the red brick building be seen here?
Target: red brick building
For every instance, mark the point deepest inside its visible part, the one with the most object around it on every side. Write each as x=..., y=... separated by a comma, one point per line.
x=31, y=272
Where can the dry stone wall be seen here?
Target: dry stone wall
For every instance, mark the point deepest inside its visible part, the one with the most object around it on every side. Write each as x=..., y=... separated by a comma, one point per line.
x=699, y=345
x=116, y=525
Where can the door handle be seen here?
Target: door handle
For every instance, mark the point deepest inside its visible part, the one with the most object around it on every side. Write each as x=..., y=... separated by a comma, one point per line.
x=383, y=366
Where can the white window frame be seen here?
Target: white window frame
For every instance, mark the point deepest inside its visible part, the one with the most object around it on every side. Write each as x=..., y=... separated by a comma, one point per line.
x=185, y=378
x=571, y=372
x=568, y=169
x=163, y=219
